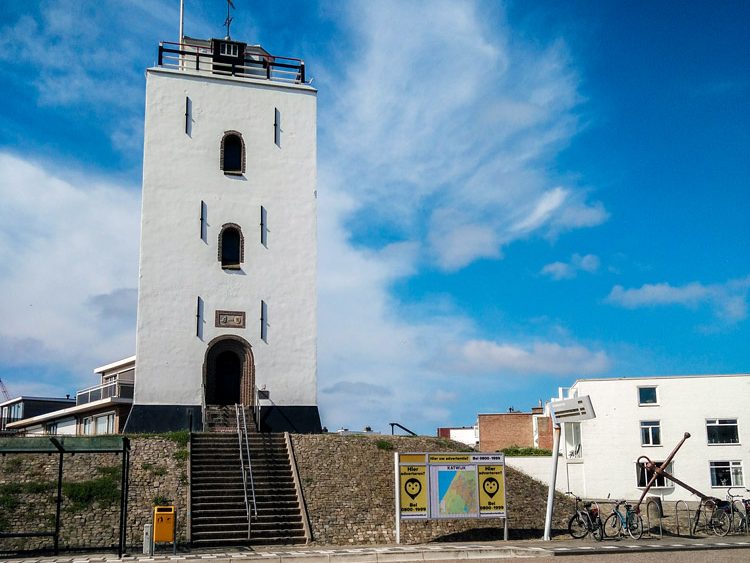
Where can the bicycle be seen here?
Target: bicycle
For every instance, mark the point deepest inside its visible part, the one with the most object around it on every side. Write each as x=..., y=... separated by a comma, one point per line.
x=717, y=516
x=630, y=521
x=585, y=520
x=738, y=520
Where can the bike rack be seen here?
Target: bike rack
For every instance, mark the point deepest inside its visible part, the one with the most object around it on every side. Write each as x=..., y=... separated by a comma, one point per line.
x=677, y=517
x=739, y=507
x=650, y=503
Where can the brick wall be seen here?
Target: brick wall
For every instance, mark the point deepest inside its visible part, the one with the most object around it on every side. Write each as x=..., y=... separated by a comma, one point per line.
x=545, y=432
x=498, y=431
x=348, y=481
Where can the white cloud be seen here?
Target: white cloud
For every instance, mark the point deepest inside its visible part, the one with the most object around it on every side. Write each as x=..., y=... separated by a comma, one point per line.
x=728, y=301
x=68, y=269
x=567, y=270
x=559, y=271
x=442, y=145
x=446, y=143
x=544, y=358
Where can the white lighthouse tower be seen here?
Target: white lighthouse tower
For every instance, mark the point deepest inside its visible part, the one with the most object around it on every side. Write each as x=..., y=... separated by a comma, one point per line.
x=227, y=298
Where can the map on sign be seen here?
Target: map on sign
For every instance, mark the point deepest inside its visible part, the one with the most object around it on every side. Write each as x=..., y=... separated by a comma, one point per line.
x=456, y=491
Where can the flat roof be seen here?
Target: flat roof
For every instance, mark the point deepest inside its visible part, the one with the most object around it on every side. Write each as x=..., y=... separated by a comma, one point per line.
x=62, y=413
x=114, y=365
x=642, y=377
x=29, y=398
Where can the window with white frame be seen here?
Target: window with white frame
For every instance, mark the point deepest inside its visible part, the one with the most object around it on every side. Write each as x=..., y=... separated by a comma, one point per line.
x=647, y=396
x=722, y=431
x=99, y=425
x=643, y=475
x=105, y=424
x=650, y=433
x=229, y=49
x=573, y=439
x=726, y=473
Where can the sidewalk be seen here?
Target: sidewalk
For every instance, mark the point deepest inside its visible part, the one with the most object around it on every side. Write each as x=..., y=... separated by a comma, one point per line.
x=437, y=552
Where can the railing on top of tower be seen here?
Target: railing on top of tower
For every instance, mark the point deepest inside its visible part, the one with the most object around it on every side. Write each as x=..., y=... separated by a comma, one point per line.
x=257, y=65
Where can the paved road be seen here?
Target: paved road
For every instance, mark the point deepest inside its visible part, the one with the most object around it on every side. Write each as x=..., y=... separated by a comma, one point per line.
x=668, y=550
x=707, y=556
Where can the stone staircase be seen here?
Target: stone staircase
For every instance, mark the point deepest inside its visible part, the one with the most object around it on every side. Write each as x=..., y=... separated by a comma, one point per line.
x=223, y=418
x=217, y=500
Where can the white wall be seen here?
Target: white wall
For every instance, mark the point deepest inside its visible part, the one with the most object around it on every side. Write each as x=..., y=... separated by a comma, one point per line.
x=612, y=442
x=540, y=468
x=177, y=266
x=466, y=436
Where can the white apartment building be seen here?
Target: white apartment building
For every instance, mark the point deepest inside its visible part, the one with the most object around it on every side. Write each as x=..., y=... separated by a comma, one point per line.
x=648, y=416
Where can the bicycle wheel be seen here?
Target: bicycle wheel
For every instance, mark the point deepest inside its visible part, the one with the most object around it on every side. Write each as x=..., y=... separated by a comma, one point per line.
x=612, y=526
x=635, y=525
x=577, y=526
x=720, y=522
x=598, y=531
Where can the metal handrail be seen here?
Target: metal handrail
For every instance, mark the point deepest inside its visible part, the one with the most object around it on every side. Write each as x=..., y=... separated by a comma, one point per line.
x=256, y=408
x=111, y=389
x=242, y=466
x=203, y=406
x=271, y=67
x=404, y=428
x=249, y=461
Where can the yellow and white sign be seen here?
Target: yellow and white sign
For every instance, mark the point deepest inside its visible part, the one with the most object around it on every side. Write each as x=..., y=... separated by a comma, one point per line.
x=491, y=490
x=413, y=485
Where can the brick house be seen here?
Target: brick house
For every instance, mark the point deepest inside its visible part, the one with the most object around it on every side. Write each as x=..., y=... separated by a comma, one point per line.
x=513, y=428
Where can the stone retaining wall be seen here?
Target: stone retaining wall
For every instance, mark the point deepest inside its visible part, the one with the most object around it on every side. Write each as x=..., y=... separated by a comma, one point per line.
x=347, y=482
x=90, y=509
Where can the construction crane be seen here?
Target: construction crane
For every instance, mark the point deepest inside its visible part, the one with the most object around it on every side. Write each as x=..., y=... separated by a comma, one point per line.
x=4, y=391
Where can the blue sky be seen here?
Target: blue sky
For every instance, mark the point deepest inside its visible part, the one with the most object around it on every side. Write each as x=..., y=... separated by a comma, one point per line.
x=511, y=195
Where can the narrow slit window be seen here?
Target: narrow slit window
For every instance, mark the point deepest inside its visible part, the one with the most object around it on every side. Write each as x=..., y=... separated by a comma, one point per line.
x=199, y=318
x=263, y=226
x=264, y=322
x=188, y=106
x=203, y=231
x=277, y=127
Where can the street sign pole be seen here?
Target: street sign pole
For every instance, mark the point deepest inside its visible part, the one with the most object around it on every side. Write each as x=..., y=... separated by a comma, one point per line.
x=552, y=483
x=397, y=486
x=569, y=410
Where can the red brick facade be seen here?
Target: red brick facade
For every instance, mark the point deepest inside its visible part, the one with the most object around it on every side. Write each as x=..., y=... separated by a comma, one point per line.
x=503, y=430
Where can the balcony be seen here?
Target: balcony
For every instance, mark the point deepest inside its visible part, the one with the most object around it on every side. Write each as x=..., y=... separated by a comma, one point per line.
x=200, y=56
x=112, y=389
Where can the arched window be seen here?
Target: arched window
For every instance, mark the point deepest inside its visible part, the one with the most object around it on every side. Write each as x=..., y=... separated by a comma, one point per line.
x=232, y=153
x=231, y=247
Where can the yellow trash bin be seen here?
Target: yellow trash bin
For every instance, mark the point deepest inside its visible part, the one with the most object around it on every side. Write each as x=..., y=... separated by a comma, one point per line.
x=164, y=524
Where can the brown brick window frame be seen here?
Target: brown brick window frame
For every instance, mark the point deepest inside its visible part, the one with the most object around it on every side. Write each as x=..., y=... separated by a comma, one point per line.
x=226, y=264
x=230, y=136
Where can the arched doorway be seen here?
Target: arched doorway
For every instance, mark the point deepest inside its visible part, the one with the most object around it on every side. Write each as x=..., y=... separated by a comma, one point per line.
x=228, y=372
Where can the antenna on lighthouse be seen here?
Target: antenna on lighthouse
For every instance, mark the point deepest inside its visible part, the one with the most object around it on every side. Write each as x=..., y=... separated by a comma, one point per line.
x=228, y=21
x=182, y=21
